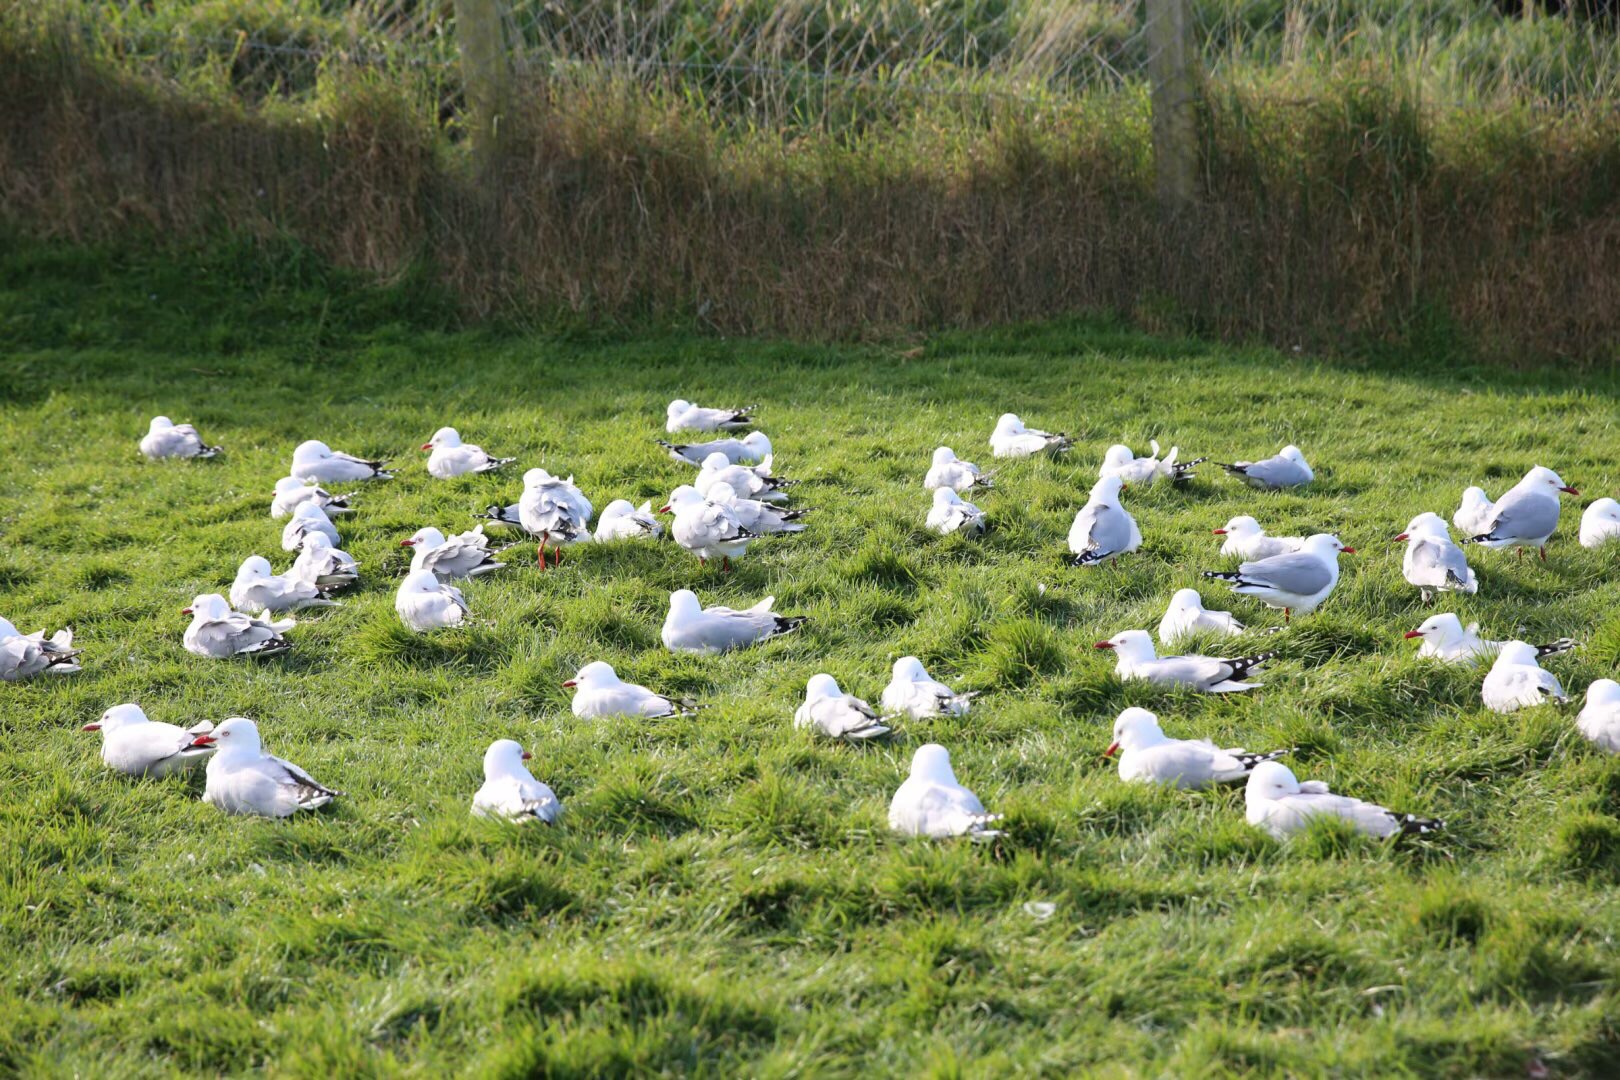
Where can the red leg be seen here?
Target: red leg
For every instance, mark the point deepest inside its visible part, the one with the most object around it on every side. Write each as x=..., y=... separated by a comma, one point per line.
x=725, y=563
x=1543, y=551
x=556, y=555
x=702, y=561
x=1288, y=615
x=540, y=555
x=1521, y=553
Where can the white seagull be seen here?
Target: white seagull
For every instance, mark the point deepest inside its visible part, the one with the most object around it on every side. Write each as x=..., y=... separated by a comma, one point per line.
x=451, y=457
x=600, y=693
x=510, y=791
x=951, y=513
x=1120, y=461
x=1447, y=640
x=931, y=803
x=553, y=511
x=1187, y=615
x=1281, y=805
x=219, y=633
x=691, y=628
x=323, y=565
x=291, y=492
x=1246, y=539
x=913, y=692
x=166, y=439
x=1297, y=582
x=136, y=746
x=1432, y=562
x=1103, y=529
x=622, y=521
x=308, y=518
x=1600, y=523
x=1146, y=753
x=750, y=449
x=749, y=481
x=829, y=711
x=315, y=462
x=950, y=471
x=1474, y=513
x=1527, y=514
x=258, y=588
x=426, y=603
x=682, y=415
x=463, y=556
x=243, y=779
x=707, y=529
x=1136, y=659
x=757, y=517
x=1516, y=681
x=1599, y=719
x=23, y=656
x=1012, y=439
x=1286, y=469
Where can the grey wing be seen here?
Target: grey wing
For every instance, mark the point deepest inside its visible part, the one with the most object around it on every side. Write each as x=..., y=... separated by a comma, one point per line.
x=1297, y=572
x=1277, y=471
x=1529, y=518
x=309, y=789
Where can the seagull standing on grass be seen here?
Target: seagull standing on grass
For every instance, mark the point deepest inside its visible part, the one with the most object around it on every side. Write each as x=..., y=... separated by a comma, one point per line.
x=691, y=628
x=1247, y=540
x=750, y=449
x=913, y=692
x=950, y=471
x=749, y=481
x=292, y=492
x=1600, y=523
x=510, y=791
x=553, y=511
x=682, y=415
x=951, y=513
x=1285, y=470
x=1121, y=462
x=1599, y=720
x=243, y=779
x=1281, y=805
x=757, y=517
x=1516, y=681
x=463, y=556
x=257, y=588
x=1297, y=582
x=1527, y=515
x=23, y=656
x=1136, y=659
x=1012, y=439
x=136, y=746
x=451, y=457
x=166, y=439
x=1432, y=562
x=622, y=521
x=316, y=463
x=323, y=565
x=1473, y=515
x=931, y=803
x=219, y=633
x=426, y=603
x=308, y=518
x=600, y=693
x=1103, y=529
x=706, y=529
x=1187, y=615
x=1146, y=753
x=829, y=711
x=1447, y=640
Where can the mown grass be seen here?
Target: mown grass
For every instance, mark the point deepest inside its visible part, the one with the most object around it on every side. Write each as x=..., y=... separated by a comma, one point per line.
x=722, y=896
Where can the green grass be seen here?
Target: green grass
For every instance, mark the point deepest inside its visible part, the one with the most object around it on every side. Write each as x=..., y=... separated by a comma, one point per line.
x=722, y=896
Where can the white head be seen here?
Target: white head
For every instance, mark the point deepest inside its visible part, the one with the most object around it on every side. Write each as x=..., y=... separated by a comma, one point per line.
x=1603, y=692
x=683, y=497
x=715, y=462
x=505, y=758
x=821, y=686
x=1270, y=780
x=426, y=539
x=1474, y=496
x=615, y=509
x=932, y=762
x=944, y=455
x=311, y=512
x=159, y=423
x=445, y=436
x=758, y=444
x=1514, y=653
x=125, y=715
x=1009, y=424
x=288, y=483
x=1242, y=525
x=1187, y=600
x=909, y=669
x=1117, y=455
x=253, y=567
x=722, y=493
x=311, y=449
x=1603, y=510
x=1326, y=546
x=1426, y=524
x=1134, y=729
x=683, y=605
x=596, y=675
x=316, y=543
x=1107, y=490
x=537, y=477
x=1544, y=479
x=208, y=607
x=1292, y=453
x=237, y=736
x=1134, y=645
x=676, y=407
x=7, y=628
x=946, y=497
x=420, y=581
x=1439, y=630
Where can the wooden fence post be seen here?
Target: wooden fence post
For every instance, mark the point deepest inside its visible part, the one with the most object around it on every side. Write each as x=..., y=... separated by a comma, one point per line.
x=485, y=72
x=1175, y=95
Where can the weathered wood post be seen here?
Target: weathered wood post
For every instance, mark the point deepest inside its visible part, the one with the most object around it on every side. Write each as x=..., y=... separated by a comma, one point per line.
x=486, y=74
x=1171, y=68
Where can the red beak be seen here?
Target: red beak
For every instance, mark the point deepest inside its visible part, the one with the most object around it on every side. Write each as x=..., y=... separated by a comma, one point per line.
x=527, y=756
x=1403, y=536
x=1103, y=645
x=407, y=543
x=1218, y=532
x=185, y=611
x=1568, y=490
x=663, y=509
x=1348, y=550
x=427, y=446
x=1414, y=633
x=94, y=725
x=570, y=683
x=1111, y=748
x=203, y=740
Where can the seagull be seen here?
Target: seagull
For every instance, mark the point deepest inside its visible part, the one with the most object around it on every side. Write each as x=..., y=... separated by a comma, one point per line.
x=931, y=803
x=323, y=565
x=1187, y=615
x=135, y=746
x=553, y=511
x=950, y=471
x=308, y=518
x=1296, y=582
x=1146, y=753
x=451, y=457
x=1246, y=539
x=751, y=448
x=1474, y=514
x=1599, y=720
x=1445, y=639
x=23, y=656
x=749, y=481
x=706, y=529
x=1012, y=439
x=622, y=521
x=1103, y=529
x=463, y=556
x=757, y=517
x=426, y=603
x=1120, y=461
x=692, y=628
x=243, y=779
x=291, y=492
x=1286, y=470
x=911, y=691
x=1281, y=805
x=1432, y=562
x=831, y=712
x=951, y=513
x=219, y=633
x=1516, y=681
x=166, y=439
x=1527, y=514
x=315, y=462
x=256, y=588
x=1137, y=660
x=510, y=791
x=685, y=416
x=1600, y=523
x=601, y=694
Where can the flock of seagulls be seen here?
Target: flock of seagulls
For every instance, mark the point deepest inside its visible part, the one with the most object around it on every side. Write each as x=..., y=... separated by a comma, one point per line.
x=734, y=500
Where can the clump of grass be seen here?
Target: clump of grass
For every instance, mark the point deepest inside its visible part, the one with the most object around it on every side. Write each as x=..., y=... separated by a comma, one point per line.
x=1588, y=845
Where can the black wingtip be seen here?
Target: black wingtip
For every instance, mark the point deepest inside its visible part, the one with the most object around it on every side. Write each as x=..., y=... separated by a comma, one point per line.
x=1412, y=825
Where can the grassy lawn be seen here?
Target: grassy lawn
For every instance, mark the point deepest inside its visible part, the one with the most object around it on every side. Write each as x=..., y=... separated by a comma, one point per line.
x=722, y=896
